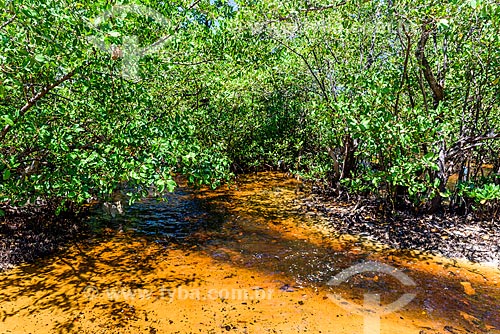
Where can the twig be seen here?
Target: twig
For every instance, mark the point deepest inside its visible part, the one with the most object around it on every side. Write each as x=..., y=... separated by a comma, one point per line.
x=38, y=96
x=459, y=146
x=9, y=21
x=307, y=10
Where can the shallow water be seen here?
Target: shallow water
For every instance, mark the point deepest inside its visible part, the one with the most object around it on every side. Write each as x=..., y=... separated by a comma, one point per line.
x=156, y=266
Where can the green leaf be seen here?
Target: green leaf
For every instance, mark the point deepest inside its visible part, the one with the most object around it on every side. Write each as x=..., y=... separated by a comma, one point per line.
x=171, y=185
x=6, y=174
x=40, y=58
x=444, y=23
x=7, y=120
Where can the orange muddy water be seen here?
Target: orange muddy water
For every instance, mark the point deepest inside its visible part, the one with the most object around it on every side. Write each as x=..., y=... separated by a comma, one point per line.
x=243, y=260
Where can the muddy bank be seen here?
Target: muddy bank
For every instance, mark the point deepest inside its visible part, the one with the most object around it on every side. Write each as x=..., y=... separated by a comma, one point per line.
x=27, y=237
x=466, y=237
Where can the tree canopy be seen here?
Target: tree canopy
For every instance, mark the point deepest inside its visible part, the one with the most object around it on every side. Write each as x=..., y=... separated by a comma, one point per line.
x=397, y=99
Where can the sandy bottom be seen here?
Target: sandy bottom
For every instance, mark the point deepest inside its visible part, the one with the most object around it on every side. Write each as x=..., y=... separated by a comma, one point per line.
x=250, y=275
x=126, y=285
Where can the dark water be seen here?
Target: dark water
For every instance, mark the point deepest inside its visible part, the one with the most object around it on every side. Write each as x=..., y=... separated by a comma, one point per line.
x=175, y=217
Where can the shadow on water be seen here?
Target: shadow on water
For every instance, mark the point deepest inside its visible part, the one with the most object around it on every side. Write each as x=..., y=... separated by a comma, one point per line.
x=264, y=231
x=254, y=225
x=175, y=217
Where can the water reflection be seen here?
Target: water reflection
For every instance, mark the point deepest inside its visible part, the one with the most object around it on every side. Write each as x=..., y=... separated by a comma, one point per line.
x=257, y=224
x=175, y=217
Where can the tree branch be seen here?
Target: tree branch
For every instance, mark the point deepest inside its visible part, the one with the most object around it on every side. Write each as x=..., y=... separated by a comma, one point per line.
x=9, y=21
x=156, y=46
x=468, y=143
x=322, y=8
x=38, y=96
x=405, y=69
x=437, y=89
x=311, y=70
x=307, y=10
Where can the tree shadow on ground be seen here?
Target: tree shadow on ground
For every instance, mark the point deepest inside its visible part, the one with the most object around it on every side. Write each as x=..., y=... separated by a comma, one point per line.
x=256, y=228
x=264, y=231
x=106, y=273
